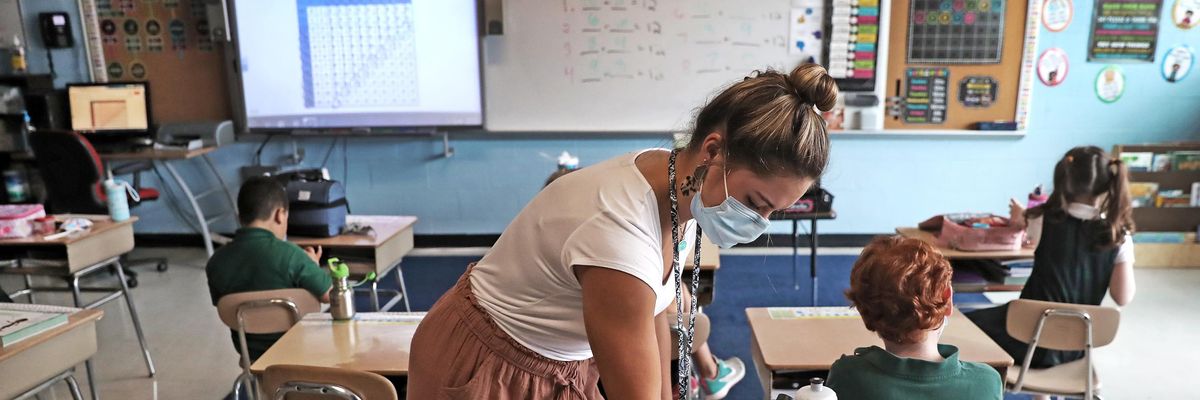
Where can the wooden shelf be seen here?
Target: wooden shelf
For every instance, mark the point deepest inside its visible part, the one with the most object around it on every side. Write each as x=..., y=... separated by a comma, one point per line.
x=957, y=133
x=1168, y=180
x=1164, y=219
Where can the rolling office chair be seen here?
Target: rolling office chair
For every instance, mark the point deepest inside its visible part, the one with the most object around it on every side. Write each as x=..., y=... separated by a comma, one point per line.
x=73, y=173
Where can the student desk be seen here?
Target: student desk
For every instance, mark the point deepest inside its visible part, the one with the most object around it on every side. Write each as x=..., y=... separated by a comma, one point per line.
x=952, y=254
x=164, y=157
x=787, y=342
x=73, y=257
x=812, y=217
x=710, y=262
x=378, y=250
x=373, y=342
x=36, y=363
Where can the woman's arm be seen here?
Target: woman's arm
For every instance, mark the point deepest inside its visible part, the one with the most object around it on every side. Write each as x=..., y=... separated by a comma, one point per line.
x=618, y=312
x=1121, y=286
x=662, y=330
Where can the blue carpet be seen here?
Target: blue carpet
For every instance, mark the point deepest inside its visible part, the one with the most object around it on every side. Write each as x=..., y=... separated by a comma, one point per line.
x=742, y=282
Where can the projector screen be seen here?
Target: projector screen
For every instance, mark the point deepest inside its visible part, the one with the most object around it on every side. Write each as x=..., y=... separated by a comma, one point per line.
x=358, y=63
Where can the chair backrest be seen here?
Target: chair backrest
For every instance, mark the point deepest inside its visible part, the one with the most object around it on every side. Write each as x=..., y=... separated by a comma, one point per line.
x=266, y=311
x=302, y=382
x=703, y=328
x=72, y=171
x=1063, y=328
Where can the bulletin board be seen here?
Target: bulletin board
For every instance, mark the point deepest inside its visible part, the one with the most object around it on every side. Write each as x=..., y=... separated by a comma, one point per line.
x=167, y=44
x=953, y=63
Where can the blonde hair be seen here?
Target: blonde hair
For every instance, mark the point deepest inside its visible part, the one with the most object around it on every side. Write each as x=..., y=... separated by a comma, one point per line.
x=770, y=121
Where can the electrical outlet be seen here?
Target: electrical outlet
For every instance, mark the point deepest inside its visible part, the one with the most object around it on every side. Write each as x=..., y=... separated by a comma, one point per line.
x=258, y=170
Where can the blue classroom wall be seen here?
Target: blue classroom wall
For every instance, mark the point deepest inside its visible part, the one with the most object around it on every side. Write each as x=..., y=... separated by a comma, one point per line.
x=880, y=183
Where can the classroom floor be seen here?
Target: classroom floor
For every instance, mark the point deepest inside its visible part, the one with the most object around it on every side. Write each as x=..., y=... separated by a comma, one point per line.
x=196, y=360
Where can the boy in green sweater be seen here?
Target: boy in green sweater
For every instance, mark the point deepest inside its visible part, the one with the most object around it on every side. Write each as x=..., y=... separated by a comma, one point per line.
x=901, y=287
x=259, y=258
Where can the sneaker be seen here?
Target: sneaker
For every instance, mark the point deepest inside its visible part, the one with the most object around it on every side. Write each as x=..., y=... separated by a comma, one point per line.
x=729, y=372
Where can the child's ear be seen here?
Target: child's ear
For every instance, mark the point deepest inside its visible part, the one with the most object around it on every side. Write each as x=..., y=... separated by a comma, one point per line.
x=281, y=215
x=948, y=295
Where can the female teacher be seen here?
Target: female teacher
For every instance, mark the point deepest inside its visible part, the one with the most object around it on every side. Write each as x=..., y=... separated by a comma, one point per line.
x=574, y=290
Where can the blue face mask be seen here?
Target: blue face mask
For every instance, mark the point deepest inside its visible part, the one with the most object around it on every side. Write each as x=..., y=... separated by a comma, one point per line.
x=730, y=222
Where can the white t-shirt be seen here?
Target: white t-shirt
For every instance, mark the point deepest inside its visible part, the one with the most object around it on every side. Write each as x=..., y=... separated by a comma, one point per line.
x=1084, y=212
x=605, y=216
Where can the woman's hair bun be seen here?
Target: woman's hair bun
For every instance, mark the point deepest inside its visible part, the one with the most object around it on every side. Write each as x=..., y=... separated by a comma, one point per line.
x=813, y=85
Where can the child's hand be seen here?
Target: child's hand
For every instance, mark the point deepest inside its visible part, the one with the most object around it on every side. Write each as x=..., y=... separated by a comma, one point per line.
x=314, y=252
x=1016, y=212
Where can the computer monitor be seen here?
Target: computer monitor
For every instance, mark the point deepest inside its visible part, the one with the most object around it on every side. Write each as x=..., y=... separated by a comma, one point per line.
x=109, y=108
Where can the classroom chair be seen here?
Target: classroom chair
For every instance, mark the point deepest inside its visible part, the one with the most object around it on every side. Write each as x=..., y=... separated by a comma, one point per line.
x=262, y=312
x=73, y=173
x=302, y=382
x=1060, y=326
x=703, y=328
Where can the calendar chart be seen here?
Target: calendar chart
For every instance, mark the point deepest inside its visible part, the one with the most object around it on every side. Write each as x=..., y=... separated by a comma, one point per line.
x=956, y=31
x=358, y=53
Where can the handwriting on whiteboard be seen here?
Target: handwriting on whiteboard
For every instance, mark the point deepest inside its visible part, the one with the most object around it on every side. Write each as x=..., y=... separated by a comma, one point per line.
x=651, y=40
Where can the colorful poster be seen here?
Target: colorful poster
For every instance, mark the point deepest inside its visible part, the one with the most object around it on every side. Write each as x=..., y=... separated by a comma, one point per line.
x=1110, y=84
x=955, y=31
x=1057, y=14
x=1186, y=13
x=1052, y=66
x=977, y=91
x=806, y=29
x=1124, y=30
x=1177, y=63
x=925, y=95
x=853, y=43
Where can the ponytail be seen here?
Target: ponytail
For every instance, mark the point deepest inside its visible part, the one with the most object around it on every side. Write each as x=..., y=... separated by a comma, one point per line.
x=1119, y=206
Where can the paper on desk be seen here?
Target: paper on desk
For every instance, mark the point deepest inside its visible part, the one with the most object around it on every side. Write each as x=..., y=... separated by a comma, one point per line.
x=397, y=318
x=811, y=312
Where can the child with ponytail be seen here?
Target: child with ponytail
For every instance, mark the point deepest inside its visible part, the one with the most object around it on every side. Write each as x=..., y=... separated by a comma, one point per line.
x=1083, y=235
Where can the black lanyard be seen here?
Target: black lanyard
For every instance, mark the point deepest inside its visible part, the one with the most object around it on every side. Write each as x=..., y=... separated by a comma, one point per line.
x=685, y=337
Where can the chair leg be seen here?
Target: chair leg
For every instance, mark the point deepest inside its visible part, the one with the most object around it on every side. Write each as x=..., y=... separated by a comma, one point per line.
x=133, y=315
x=29, y=287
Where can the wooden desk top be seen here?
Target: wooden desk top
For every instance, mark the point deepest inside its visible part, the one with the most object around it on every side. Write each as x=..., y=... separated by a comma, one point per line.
x=100, y=224
x=787, y=216
x=384, y=228
x=149, y=153
x=73, y=321
x=813, y=344
x=952, y=254
x=374, y=342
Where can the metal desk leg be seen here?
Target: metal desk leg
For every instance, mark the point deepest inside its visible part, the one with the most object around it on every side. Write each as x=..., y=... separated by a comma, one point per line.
x=74, y=386
x=812, y=260
x=403, y=289
x=221, y=181
x=73, y=283
x=29, y=287
x=795, y=254
x=133, y=315
x=375, y=294
x=208, y=246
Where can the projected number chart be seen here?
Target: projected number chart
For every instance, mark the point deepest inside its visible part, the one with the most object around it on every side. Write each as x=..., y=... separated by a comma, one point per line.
x=955, y=31
x=358, y=53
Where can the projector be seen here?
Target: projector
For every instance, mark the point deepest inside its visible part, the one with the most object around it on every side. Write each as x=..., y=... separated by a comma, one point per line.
x=210, y=133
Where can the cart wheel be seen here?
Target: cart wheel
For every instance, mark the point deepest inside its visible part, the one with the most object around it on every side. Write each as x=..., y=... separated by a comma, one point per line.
x=161, y=267
x=131, y=282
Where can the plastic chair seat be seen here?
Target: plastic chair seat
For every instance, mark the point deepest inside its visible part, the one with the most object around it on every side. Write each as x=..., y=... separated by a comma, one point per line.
x=1062, y=378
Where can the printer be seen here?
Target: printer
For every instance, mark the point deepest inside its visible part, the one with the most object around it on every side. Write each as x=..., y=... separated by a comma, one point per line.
x=210, y=133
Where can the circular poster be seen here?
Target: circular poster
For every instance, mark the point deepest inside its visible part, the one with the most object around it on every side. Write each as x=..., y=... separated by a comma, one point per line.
x=1177, y=63
x=1052, y=66
x=1110, y=84
x=1057, y=14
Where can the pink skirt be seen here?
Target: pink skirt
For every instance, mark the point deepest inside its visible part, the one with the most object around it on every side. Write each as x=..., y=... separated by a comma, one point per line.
x=458, y=352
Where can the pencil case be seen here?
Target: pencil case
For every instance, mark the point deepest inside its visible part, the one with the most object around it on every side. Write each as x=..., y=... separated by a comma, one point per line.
x=16, y=220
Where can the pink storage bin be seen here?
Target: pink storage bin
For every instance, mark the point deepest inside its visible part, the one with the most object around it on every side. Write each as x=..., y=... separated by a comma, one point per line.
x=16, y=220
x=952, y=233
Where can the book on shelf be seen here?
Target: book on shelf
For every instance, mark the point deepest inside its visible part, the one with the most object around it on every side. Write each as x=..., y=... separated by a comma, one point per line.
x=1172, y=198
x=1142, y=193
x=1162, y=162
x=1195, y=194
x=1138, y=161
x=1185, y=160
x=23, y=321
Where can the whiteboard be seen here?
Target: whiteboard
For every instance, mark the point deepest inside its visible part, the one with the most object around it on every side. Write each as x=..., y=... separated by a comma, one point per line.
x=633, y=65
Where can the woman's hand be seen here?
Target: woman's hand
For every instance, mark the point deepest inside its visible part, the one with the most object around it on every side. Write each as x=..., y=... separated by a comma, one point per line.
x=618, y=312
x=1016, y=213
